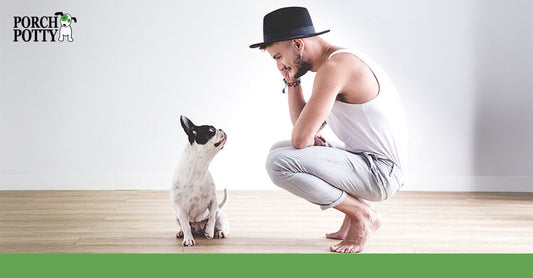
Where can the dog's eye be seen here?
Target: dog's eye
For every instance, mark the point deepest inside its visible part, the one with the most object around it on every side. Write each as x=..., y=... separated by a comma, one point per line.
x=212, y=130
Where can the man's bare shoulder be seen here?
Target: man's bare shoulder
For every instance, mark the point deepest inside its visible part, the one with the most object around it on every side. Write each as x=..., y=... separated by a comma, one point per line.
x=355, y=81
x=342, y=65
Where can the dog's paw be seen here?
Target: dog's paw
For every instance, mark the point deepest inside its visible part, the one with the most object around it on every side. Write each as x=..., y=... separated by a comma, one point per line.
x=188, y=242
x=179, y=234
x=220, y=234
x=209, y=235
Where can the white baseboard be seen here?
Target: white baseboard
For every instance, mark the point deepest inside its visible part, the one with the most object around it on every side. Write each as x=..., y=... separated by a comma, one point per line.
x=84, y=182
x=470, y=184
x=142, y=182
x=57, y=182
x=147, y=182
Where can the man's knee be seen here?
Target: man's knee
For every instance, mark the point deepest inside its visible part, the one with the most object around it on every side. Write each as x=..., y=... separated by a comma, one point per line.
x=279, y=165
x=275, y=162
x=281, y=144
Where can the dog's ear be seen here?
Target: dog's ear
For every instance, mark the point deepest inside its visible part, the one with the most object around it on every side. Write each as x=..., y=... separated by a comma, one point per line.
x=189, y=128
x=59, y=13
x=73, y=18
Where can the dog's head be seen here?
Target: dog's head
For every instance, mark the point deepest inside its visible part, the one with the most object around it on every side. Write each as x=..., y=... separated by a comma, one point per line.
x=205, y=136
x=66, y=19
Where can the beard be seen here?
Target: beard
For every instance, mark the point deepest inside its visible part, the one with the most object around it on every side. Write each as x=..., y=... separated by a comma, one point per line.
x=302, y=67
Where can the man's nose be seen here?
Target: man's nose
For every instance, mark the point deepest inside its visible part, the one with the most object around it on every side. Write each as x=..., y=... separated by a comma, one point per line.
x=281, y=66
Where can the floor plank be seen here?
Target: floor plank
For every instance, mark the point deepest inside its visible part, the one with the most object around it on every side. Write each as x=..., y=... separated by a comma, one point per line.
x=261, y=222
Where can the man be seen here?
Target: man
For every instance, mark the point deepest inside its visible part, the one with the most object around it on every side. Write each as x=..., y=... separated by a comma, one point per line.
x=360, y=104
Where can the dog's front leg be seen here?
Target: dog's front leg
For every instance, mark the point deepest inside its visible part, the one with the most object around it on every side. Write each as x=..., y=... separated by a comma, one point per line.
x=60, y=34
x=183, y=220
x=179, y=234
x=211, y=220
x=222, y=225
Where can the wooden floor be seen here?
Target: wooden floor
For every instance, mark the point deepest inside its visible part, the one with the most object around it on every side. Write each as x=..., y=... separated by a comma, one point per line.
x=261, y=222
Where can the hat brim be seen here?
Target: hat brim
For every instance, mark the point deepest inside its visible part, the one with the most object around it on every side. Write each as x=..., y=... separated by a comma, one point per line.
x=287, y=38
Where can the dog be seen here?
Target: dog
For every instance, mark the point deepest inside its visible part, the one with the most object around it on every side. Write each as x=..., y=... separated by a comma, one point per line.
x=193, y=192
x=65, y=29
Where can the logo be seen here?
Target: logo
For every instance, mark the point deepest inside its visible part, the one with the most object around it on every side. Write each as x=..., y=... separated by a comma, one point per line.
x=52, y=28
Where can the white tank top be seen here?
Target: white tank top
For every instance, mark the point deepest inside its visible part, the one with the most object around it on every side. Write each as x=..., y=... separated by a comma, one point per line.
x=376, y=126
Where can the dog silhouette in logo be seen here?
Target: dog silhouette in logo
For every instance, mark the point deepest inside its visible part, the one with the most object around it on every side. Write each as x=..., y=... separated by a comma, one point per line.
x=65, y=29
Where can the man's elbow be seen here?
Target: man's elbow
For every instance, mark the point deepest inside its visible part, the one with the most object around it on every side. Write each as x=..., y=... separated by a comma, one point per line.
x=300, y=143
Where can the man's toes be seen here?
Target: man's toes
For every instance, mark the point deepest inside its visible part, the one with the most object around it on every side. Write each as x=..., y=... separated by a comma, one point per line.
x=343, y=248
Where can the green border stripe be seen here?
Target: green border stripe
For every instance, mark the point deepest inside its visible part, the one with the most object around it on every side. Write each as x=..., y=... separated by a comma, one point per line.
x=266, y=265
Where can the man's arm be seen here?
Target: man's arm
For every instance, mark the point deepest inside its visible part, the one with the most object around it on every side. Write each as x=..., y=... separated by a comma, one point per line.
x=296, y=102
x=326, y=86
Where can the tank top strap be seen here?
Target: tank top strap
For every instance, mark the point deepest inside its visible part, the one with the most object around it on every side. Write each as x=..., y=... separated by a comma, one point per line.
x=340, y=51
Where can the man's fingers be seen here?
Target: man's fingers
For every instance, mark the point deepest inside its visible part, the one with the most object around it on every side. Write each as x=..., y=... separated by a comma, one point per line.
x=320, y=140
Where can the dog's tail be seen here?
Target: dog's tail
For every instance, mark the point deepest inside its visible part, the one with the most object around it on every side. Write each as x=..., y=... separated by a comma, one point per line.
x=225, y=198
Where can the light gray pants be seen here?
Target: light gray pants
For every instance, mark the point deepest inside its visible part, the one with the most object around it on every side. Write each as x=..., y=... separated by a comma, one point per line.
x=324, y=175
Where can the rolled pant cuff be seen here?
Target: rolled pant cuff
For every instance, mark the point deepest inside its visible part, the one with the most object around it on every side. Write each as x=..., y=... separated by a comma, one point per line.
x=335, y=203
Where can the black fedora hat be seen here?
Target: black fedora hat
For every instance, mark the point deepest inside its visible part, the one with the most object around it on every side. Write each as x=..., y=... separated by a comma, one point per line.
x=287, y=24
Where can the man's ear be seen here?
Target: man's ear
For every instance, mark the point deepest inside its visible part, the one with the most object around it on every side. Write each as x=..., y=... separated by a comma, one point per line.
x=189, y=128
x=298, y=43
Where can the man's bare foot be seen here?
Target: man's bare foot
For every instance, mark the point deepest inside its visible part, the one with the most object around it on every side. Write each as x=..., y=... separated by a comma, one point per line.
x=343, y=230
x=361, y=227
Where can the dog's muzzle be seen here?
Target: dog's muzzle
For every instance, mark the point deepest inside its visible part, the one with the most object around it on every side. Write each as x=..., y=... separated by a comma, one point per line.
x=221, y=141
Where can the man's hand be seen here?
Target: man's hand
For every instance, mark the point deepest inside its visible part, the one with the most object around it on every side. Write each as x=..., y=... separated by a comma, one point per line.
x=320, y=140
x=287, y=76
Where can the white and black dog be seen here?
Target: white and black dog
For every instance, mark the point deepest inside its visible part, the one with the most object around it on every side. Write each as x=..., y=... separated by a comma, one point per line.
x=193, y=191
x=65, y=29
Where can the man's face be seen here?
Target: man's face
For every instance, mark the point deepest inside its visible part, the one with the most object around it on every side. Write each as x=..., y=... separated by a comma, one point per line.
x=289, y=59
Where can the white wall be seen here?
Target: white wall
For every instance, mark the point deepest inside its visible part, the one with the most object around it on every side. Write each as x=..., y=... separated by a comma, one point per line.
x=102, y=112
